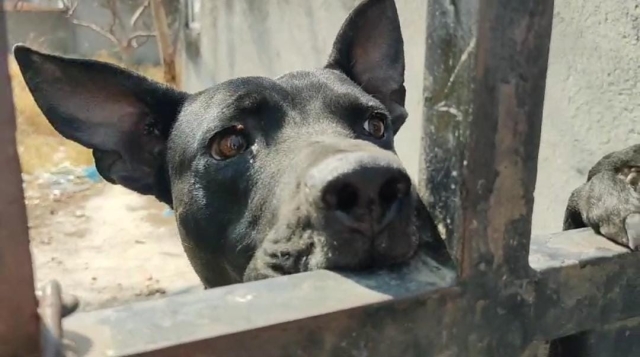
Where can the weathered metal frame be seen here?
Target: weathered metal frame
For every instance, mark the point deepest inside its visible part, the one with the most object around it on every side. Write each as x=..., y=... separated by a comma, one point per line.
x=485, y=81
x=19, y=324
x=421, y=312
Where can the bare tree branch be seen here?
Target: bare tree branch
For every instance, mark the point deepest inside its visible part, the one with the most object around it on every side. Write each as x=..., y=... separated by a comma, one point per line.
x=132, y=40
x=129, y=38
x=165, y=46
x=98, y=30
x=176, y=34
x=137, y=14
x=112, y=6
x=70, y=7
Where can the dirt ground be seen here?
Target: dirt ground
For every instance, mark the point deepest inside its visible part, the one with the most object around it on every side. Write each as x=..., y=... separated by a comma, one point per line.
x=104, y=244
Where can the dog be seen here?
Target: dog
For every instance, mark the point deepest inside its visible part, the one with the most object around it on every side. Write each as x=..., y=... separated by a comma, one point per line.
x=267, y=177
x=609, y=201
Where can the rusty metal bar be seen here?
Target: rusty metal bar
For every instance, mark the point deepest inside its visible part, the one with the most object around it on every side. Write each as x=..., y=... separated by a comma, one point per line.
x=51, y=311
x=485, y=72
x=184, y=320
x=413, y=312
x=19, y=323
x=69, y=302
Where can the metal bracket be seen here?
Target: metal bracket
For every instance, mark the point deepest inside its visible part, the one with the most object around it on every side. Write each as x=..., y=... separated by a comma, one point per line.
x=53, y=305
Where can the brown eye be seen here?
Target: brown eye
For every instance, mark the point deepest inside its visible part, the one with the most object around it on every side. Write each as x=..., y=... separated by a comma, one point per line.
x=228, y=143
x=375, y=125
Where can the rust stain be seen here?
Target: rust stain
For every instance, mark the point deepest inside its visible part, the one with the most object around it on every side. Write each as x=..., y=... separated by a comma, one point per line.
x=507, y=202
x=19, y=322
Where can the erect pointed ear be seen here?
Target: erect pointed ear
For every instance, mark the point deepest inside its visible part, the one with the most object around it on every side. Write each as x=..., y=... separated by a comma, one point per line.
x=369, y=49
x=124, y=117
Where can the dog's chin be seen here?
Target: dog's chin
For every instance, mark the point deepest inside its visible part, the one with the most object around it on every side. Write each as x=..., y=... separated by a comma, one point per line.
x=354, y=251
x=298, y=250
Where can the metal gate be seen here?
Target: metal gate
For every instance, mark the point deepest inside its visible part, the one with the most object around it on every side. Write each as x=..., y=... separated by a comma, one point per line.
x=572, y=293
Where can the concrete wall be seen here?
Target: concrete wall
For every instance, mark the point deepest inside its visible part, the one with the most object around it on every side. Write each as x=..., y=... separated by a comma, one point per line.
x=592, y=105
x=593, y=87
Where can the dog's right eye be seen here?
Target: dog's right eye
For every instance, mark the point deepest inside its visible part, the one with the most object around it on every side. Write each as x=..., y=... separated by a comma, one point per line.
x=376, y=125
x=228, y=143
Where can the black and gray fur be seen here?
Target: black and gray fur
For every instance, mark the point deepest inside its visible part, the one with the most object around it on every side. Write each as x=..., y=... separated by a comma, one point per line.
x=609, y=202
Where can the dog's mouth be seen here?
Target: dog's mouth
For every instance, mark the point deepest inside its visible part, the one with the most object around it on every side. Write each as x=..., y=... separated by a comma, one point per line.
x=390, y=245
x=308, y=236
x=337, y=242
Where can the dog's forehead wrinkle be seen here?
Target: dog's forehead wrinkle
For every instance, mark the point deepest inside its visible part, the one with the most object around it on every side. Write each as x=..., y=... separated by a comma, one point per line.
x=309, y=100
x=212, y=109
x=325, y=84
x=241, y=93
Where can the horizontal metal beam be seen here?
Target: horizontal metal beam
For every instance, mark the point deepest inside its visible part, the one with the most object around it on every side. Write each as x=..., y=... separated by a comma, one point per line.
x=415, y=311
x=567, y=248
x=618, y=339
x=146, y=326
x=19, y=323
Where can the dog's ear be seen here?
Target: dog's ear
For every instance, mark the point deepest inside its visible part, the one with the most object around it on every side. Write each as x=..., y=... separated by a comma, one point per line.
x=124, y=117
x=369, y=49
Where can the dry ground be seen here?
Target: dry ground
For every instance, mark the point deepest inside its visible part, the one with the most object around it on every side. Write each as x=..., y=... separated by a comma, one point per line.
x=106, y=245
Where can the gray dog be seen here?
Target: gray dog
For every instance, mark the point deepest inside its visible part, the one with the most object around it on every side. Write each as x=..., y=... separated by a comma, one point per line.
x=609, y=202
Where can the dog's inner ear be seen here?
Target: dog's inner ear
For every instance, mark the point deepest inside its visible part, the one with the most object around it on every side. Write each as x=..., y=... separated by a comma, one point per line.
x=125, y=118
x=369, y=49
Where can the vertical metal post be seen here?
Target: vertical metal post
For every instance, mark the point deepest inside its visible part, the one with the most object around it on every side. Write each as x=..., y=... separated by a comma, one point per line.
x=19, y=322
x=486, y=64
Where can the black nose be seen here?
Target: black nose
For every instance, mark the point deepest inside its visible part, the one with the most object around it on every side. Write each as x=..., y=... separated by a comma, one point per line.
x=364, y=191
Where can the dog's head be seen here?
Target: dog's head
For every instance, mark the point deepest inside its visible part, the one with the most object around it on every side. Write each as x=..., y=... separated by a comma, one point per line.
x=266, y=176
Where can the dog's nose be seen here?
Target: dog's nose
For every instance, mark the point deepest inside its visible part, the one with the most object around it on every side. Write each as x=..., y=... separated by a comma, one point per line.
x=364, y=191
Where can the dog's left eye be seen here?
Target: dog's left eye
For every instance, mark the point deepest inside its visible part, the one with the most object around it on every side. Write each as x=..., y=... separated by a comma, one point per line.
x=375, y=125
x=229, y=143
